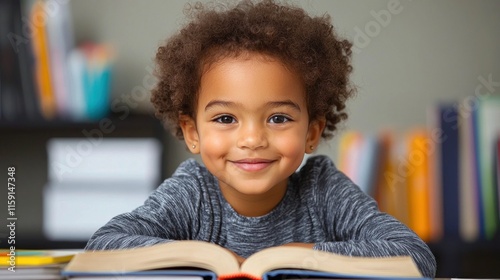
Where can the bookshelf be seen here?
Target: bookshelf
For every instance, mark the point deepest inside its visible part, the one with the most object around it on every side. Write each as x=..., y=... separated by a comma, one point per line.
x=23, y=144
x=458, y=258
x=465, y=249
x=121, y=122
x=49, y=75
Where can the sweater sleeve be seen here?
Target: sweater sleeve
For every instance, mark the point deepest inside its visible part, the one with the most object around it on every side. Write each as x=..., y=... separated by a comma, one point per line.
x=353, y=220
x=165, y=216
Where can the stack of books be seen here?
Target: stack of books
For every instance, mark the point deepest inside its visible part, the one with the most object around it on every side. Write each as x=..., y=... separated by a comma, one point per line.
x=91, y=180
x=34, y=264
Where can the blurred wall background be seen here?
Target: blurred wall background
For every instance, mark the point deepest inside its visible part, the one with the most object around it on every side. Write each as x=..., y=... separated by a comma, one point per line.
x=408, y=54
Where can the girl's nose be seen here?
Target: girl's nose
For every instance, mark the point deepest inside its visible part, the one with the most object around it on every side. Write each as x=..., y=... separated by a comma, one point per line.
x=252, y=136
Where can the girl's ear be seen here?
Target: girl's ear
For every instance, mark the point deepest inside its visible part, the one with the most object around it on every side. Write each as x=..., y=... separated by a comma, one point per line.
x=314, y=134
x=188, y=126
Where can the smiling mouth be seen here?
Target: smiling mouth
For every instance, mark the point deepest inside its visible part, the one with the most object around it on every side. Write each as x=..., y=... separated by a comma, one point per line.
x=253, y=165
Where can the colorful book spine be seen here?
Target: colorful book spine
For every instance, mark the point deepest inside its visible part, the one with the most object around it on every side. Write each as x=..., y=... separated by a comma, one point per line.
x=435, y=181
x=498, y=169
x=417, y=163
x=350, y=153
x=449, y=168
x=60, y=39
x=42, y=64
x=488, y=127
x=468, y=192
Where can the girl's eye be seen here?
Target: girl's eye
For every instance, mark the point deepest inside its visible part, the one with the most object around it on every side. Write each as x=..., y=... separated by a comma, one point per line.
x=279, y=119
x=225, y=119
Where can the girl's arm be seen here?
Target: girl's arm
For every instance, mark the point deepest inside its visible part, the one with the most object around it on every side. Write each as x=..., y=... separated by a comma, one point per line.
x=357, y=228
x=165, y=216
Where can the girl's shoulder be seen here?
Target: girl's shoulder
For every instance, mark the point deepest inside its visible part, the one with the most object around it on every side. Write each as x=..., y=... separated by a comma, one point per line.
x=319, y=175
x=316, y=168
x=189, y=167
x=190, y=177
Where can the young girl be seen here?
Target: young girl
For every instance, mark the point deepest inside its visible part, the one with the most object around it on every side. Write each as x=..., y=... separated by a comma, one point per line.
x=252, y=89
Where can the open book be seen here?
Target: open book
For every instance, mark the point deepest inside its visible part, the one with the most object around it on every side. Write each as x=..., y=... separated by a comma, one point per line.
x=216, y=262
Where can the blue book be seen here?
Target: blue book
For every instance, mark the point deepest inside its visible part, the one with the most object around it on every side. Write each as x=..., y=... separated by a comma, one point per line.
x=449, y=149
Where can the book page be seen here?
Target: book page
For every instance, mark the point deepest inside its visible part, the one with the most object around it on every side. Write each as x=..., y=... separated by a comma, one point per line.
x=197, y=254
x=303, y=258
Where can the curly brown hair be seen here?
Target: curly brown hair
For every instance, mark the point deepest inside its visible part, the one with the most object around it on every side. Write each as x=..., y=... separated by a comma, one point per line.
x=309, y=45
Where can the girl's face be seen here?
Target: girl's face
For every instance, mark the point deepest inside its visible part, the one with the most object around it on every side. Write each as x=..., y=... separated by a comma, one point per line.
x=252, y=127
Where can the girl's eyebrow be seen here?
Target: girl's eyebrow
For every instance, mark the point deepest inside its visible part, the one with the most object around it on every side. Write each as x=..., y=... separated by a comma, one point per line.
x=220, y=103
x=271, y=104
x=284, y=103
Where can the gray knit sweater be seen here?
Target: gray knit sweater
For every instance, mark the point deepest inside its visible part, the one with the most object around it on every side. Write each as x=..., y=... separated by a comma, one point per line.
x=321, y=206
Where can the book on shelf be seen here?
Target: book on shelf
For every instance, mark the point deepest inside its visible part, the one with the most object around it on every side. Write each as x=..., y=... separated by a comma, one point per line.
x=34, y=264
x=434, y=161
x=381, y=189
x=486, y=117
x=43, y=74
x=350, y=146
x=418, y=183
x=449, y=168
x=391, y=190
x=359, y=159
x=469, y=188
x=17, y=88
x=211, y=261
x=60, y=43
x=37, y=272
x=36, y=257
x=497, y=165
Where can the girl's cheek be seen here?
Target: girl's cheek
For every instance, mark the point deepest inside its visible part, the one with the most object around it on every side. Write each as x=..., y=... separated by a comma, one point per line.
x=214, y=143
x=290, y=145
